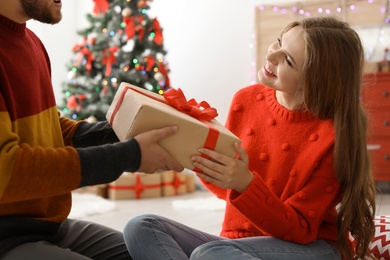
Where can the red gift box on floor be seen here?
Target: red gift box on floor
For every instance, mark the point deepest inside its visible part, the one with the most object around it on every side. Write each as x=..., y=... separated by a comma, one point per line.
x=135, y=110
x=135, y=186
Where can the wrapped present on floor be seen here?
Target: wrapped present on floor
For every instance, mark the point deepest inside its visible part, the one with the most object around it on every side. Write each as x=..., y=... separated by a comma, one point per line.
x=135, y=186
x=384, y=66
x=371, y=67
x=173, y=183
x=190, y=179
x=135, y=110
x=100, y=190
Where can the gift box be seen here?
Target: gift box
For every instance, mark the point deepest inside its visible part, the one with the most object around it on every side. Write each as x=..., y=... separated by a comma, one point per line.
x=384, y=66
x=135, y=186
x=173, y=183
x=100, y=190
x=190, y=178
x=371, y=67
x=135, y=110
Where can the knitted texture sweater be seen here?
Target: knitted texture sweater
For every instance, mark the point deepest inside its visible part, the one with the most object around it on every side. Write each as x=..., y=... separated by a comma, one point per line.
x=294, y=191
x=43, y=157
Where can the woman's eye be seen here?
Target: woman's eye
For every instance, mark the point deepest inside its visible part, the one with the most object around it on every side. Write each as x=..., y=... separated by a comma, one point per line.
x=288, y=61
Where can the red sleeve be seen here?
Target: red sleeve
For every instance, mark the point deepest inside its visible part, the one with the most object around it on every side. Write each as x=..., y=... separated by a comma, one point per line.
x=299, y=215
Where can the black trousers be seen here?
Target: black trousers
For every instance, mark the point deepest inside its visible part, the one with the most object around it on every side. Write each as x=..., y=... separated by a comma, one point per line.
x=84, y=240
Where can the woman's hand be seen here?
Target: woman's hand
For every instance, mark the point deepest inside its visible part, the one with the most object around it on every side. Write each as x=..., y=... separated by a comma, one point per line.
x=223, y=171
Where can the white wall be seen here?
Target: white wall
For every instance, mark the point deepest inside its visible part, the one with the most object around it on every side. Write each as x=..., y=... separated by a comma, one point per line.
x=208, y=44
x=60, y=38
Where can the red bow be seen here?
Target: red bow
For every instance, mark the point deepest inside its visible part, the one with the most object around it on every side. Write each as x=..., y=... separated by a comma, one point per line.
x=101, y=6
x=88, y=55
x=202, y=110
x=164, y=71
x=141, y=31
x=79, y=46
x=149, y=60
x=109, y=58
x=158, y=38
x=134, y=25
x=74, y=102
x=129, y=21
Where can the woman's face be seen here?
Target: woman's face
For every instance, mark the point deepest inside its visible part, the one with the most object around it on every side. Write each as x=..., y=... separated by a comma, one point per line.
x=46, y=11
x=283, y=68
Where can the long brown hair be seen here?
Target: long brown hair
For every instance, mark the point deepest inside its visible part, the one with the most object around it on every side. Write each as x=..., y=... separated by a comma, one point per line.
x=332, y=83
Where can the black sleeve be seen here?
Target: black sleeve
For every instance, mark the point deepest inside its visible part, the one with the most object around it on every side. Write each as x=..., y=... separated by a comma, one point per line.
x=105, y=163
x=92, y=134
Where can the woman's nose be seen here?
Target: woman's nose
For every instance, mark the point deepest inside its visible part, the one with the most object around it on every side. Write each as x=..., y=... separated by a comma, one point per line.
x=271, y=57
x=273, y=47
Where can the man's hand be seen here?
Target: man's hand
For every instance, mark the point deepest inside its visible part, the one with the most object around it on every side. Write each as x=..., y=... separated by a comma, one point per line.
x=153, y=156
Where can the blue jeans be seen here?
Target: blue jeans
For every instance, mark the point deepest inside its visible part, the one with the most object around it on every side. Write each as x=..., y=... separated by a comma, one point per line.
x=154, y=237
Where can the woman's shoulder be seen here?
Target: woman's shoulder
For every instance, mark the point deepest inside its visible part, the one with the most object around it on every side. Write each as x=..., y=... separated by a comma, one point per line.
x=252, y=90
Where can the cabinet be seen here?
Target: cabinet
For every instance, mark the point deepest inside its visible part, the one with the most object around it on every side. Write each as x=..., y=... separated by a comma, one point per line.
x=376, y=97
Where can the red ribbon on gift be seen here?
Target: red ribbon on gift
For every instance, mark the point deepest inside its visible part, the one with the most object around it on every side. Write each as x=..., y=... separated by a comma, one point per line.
x=175, y=98
x=201, y=111
x=176, y=182
x=138, y=187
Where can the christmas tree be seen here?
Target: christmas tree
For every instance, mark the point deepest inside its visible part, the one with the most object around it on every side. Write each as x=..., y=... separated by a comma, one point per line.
x=122, y=44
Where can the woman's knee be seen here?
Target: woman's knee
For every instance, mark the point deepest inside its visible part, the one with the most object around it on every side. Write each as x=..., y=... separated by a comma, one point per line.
x=137, y=225
x=210, y=250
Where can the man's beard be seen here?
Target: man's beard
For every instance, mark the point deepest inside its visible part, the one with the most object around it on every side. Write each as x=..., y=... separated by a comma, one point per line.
x=39, y=11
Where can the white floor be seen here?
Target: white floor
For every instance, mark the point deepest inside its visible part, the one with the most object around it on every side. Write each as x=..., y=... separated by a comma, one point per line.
x=208, y=220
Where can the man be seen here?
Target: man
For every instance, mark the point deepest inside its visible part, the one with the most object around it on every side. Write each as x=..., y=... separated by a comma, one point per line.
x=43, y=157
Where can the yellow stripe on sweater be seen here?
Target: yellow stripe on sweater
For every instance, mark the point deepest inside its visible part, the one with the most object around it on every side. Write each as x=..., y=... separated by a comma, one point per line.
x=8, y=148
x=41, y=130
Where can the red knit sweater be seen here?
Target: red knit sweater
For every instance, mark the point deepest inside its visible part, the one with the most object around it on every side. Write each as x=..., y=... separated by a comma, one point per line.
x=294, y=191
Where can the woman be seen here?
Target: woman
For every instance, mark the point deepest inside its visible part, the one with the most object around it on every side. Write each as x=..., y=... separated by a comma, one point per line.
x=301, y=182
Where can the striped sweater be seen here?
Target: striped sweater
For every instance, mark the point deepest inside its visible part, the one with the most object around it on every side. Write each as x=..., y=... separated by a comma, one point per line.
x=43, y=157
